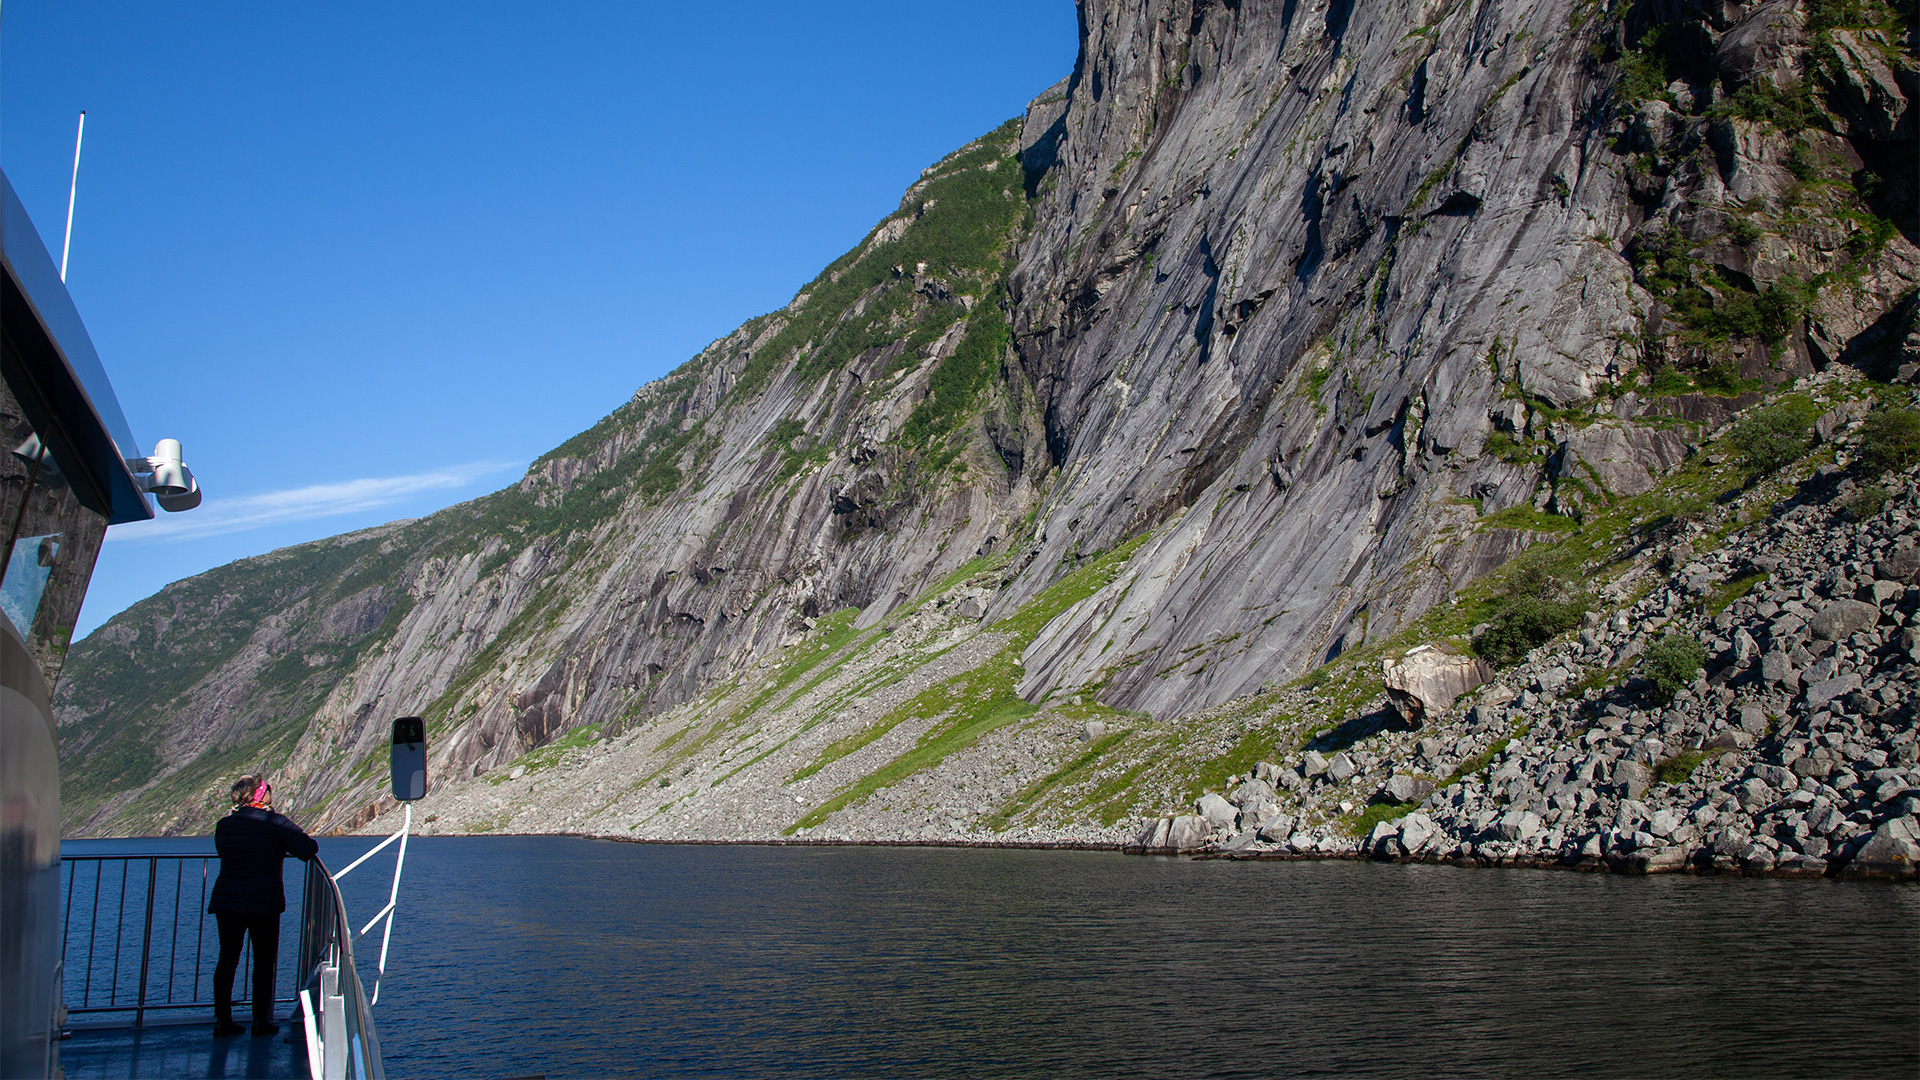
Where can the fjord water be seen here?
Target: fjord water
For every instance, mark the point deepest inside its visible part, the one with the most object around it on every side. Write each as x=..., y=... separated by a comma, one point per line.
x=517, y=956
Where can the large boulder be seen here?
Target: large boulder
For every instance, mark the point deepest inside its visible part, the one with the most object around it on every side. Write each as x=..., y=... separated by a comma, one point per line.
x=1406, y=788
x=1416, y=831
x=1902, y=565
x=1632, y=778
x=1828, y=689
x=1891, y=851
x=1429, y=680
x=1172, y=835
x=1217, y=811
x=1250, y=792
x=1276, y=830
x=1842, y=619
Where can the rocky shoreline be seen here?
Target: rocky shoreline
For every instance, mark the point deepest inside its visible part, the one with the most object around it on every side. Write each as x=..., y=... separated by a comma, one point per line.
x=1792, y=753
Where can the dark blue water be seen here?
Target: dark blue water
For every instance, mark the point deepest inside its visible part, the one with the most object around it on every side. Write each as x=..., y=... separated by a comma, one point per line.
x=575, y=958
x=572, y=958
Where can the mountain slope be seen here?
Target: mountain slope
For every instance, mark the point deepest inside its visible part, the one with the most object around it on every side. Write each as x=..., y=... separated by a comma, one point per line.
x=1293, y=320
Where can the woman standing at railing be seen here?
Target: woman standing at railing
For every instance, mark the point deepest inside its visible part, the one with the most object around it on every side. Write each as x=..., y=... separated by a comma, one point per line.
x=248, y=897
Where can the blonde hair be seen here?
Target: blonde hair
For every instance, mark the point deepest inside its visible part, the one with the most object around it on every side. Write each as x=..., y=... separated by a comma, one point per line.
x=244, y=788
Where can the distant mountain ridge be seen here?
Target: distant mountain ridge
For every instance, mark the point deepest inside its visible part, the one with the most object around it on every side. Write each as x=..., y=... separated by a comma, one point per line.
x=1317, y=315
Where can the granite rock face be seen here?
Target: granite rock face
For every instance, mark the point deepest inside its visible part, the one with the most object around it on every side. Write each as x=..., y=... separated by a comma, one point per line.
x=1308, y=312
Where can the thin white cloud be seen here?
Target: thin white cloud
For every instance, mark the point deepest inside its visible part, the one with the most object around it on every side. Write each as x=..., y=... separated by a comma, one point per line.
x=216, y=515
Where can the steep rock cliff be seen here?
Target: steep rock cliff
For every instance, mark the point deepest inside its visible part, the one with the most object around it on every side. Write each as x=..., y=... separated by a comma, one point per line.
x=1326, y=312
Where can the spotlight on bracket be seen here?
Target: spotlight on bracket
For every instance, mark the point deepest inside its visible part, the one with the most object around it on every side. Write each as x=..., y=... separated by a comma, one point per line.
x=172, y=484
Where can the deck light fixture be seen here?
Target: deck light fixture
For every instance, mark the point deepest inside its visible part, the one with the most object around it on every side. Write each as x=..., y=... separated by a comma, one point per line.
x=171, y=484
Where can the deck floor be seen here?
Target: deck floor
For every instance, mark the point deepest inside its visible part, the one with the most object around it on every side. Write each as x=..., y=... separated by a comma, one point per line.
x=170, y=1049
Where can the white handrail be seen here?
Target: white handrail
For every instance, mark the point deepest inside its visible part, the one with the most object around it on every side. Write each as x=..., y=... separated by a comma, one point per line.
x=314, y=1058
x=393, y=901
x=370, y=922
x=375, y=848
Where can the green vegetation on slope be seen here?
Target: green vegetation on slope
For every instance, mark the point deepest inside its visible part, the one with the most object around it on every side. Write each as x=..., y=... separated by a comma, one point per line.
x=971, y=704
x=957, y=226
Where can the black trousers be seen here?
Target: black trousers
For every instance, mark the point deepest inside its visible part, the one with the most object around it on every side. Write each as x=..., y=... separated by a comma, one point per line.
x=264, y=929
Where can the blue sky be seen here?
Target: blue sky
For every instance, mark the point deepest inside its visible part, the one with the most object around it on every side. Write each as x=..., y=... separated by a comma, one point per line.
x=366, y=260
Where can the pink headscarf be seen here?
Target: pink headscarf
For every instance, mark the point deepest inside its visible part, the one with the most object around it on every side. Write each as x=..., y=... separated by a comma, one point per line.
x=260, y=795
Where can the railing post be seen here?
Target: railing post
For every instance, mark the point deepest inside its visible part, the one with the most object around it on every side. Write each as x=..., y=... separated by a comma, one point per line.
x=93, y=934
x=146, y=948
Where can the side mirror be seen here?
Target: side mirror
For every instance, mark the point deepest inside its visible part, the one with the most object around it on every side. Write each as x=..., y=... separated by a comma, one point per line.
x=409, y=758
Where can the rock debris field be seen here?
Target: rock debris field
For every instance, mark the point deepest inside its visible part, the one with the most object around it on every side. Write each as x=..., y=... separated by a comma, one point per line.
x=1792, y=754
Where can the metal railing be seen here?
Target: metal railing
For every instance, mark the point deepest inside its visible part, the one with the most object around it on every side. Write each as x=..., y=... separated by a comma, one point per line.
x=341, y=1041
x=144, y=942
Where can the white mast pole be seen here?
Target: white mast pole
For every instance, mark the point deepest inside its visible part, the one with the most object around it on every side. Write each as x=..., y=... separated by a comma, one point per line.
x=66, y=246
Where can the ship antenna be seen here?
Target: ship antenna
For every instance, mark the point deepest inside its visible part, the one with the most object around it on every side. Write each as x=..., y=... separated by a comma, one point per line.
x=66, y=246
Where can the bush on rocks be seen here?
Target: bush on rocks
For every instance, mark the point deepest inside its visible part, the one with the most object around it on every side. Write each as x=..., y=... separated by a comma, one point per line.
x=1672, y=663
x=1889, y=440
x=1865, y=502
x=1535, y=605
x=1679, y=768
x=1766, y=439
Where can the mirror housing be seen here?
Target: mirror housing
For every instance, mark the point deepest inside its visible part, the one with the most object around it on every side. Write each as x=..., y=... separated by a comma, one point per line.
x=409, y=758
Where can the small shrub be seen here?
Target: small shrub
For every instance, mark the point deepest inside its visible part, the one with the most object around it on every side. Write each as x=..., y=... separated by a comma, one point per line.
x=1502, y=445
x=1768, y=315
x=1725, y=379
x=1767, y=439
x=1646, y=70
x=1866, y=501
x=1873, y=236
x=1523, y=624
x=1536, y=605
x=1676, y=769
x=1889, y=440
x=1832, y=14
x=1668, y=382
x=1673, y=663
x=1791, y=109
x=1802, y=162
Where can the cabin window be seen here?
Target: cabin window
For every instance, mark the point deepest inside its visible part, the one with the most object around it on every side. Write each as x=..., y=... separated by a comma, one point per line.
x=51, y=541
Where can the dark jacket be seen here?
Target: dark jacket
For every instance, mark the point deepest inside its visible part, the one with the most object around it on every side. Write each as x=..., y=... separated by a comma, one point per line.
x=251, y=843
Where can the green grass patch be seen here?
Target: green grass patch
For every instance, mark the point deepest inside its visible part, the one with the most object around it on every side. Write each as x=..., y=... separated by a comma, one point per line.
x=1374, y=814
x=971, y=703
x=551, y=754
x=1114, y=797
x=1596, y=680
x=1253, y=746
x=932, y=748
x=962, y=220
x=1527, y=519
x=1477, y=762
x=754, y=760
x=1075, y=769
x=1731, y=591
x=829, y=635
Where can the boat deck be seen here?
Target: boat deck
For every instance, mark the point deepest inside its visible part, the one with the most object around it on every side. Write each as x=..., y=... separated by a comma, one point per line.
x=180, y=1048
